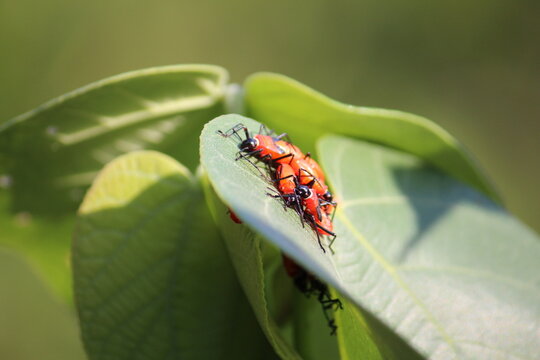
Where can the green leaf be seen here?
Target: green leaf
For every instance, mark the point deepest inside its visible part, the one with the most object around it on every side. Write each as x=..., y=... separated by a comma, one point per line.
x=363, y=336
x=287, y=105
x=45, y=245
x=33, y=324
x=54, y=152
x=311, y=331
x=152, y=276
x=240, y=186
x=440, y=265
x=246, y=251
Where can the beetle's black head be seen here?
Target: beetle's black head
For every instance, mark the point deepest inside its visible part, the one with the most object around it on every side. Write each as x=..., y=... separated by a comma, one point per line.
x=248, y=145
x=303, y=191
x=327, y=196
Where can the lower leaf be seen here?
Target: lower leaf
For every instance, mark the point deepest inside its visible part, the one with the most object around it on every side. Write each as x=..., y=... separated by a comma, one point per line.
x=246, y=252
x=152, y=277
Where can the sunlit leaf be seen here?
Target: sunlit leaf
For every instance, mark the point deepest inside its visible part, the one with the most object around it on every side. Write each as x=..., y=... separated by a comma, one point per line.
x=443, y=267
x=54, y=152
x=152, y=276
x=241, y=187
x=287, y=105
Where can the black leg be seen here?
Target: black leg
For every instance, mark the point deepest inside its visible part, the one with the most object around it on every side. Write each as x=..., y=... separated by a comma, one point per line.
x=319, y=214
x=334, y=211
x=313, y=177
x=284, y=135
x=232, y=131
x=330, y=320
x=246, y=132
x=252, y=153
x=283, y=157
x=329, y=303
x=283, y=178
x=299, y=211
x=332, y=242
x=246, y=158
x=319, y=241
x=325, y=230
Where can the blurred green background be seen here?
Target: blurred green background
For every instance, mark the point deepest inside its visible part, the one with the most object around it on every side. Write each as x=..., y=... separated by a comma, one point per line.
x=471, y=66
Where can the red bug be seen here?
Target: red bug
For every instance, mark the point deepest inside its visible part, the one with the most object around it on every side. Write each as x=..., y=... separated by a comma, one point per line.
x=306, y=177
x=318, y=219
x=309, y=207
x=299, y=160
x=315, y=166
x=327, y=199
x=310, y=173
x=305, y=201
x=285, y=178
x=293, y=149
x=286, y=182
x=309, y=285
x=233, y=216
x=262, y=147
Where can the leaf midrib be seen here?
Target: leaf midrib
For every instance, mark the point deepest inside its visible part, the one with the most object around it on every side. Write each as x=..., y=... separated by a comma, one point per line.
x=392, y=272
x=378, y=257
x=107, y=123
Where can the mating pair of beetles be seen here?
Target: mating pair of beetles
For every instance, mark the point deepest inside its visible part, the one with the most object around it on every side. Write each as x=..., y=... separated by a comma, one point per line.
x=299, y=181
x=298, y=178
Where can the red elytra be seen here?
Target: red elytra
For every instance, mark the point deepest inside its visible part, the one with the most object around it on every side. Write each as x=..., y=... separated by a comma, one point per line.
x=318, y=172
x=306, y=177
x=285, y=179
x=290, y=148
x=310, y=202
x=267, y=150
x=300, y=160
x=326, y=227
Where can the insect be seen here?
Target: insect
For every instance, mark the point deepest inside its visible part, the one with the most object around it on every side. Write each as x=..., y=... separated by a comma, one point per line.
x=298, y=178
x=310, y=208
x=309, y=285
x=314, y=215
x=315, y=166
x=285, y=179
x=262, y=147
x=293, y=149
x=233, y=216
x=299, y=160
x=306, y=177
x=309, y=173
